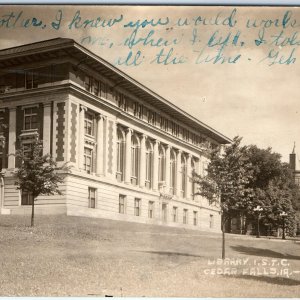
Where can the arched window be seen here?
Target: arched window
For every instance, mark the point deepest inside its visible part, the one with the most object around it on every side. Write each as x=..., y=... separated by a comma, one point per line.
x=120, y=155
x=183, y=176
x=172, y=172
x=149, y=163
x=161, y=164
x=134, y=159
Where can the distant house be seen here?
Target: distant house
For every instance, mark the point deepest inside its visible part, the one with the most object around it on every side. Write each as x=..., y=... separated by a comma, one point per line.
x=132, y=151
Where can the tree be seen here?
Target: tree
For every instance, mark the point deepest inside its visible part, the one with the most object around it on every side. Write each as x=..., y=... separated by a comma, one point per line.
x=227, y=181
x=38, y=174
x=274, y=188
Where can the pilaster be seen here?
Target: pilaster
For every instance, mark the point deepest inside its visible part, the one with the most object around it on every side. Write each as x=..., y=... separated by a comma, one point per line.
x=142, y=161
x=12, y=138
x=155, y=165
x=47, y=128
x=99, y=155
x=178, y=173
x=81, y=136
x=128, y=156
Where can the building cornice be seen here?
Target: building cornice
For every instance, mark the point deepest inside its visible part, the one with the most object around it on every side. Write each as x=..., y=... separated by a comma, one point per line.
x=69, y=47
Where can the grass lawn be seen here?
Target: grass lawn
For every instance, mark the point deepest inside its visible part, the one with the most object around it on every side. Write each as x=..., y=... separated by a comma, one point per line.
x=73, y=256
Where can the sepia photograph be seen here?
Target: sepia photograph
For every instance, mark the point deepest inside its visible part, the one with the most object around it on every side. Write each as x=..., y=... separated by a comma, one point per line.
x=149, y=151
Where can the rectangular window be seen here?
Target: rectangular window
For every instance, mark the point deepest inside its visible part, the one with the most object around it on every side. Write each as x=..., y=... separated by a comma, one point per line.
x=122, y=101
x=195, y=214
x=164, y=210
x=164, y=124
x=88, y=160
x=92, y=197
x=122, y=204
x=31, y=79
x=211, y=221
x=30, y=118
x=89, y=119
x=103, y=89
x=26, y=198
x=88, y=83
x=137, y=207
x=138, y=110
x=151, y=117
x=151, y=210
x=96, y=90
x=185, y=216
x=175, y=214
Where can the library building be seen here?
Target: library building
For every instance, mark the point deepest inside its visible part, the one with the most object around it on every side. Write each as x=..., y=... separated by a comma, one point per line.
x=132, y=153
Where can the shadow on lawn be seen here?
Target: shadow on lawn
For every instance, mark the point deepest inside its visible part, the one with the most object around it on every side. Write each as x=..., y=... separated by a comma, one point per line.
x=263, y=252
x=266, y=279
x=167, y=253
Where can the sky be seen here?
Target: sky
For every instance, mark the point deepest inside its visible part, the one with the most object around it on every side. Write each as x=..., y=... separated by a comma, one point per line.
x=252, y=97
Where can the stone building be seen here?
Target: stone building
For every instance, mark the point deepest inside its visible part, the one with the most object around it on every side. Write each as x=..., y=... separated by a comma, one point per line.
x=132, y=152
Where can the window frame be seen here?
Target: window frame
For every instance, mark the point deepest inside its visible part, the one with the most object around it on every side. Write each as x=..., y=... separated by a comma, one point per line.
x=175, y=214
x=89, y=123
x=28, y=200
x=85, y=157
x=195, y=218
x=30, y=116
x=137, y=206
x=120, y=154
x=151, y=209
x=92, y=200
x=122, y=204
x=185, y=216
x=211, y=221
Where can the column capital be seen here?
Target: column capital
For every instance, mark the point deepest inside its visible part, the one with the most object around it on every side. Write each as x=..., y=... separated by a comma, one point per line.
x=128, y=130
x=179, y=151
x=83, y=108
x=156, y=142
x=101, y=117
x=47, y=104
x=12, y=108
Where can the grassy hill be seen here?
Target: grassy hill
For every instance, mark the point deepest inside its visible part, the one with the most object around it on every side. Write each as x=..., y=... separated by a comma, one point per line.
x=73, y=256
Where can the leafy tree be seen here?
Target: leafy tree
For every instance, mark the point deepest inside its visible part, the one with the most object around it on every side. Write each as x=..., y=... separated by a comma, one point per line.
x=38, y=174
x=274, y=188
x=227, y=181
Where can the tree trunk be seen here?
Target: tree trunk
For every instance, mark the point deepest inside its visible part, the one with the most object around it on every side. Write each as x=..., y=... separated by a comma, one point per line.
x=32, y=212
x=223, y=238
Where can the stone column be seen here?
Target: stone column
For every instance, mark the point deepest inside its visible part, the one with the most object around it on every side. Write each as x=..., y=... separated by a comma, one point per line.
x=47, y=129
x=167, y=168
x=188, y=176
x=99, y=154
x=128, y=156
x=155, y=166
x=81, y=136
x=12, y=138
x=178, y=173
x=142, y=170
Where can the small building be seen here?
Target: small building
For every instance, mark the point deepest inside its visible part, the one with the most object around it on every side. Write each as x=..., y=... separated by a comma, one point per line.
x=132, y=152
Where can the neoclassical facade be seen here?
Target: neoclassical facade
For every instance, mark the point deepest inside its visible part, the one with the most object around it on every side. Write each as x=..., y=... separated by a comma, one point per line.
x=132, y=152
